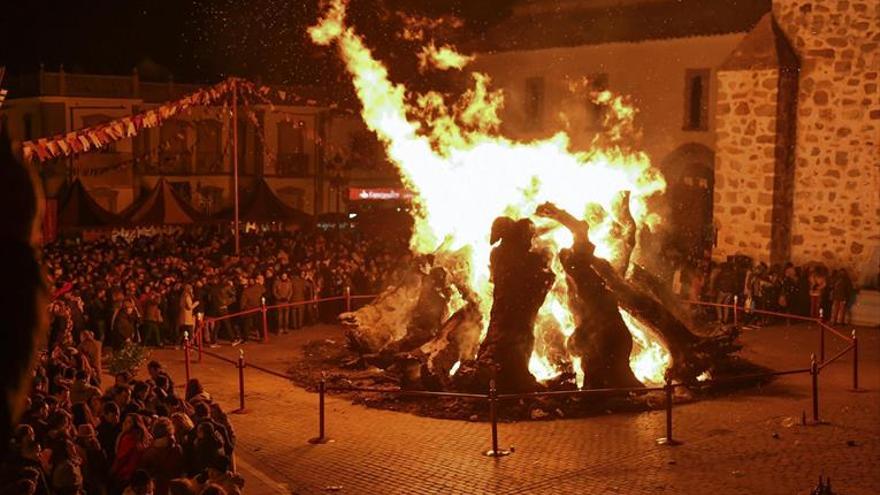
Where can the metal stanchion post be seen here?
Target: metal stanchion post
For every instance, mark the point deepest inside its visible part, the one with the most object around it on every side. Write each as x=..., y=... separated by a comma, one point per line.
x=735, y=305
x=855, y=351
x=265, y=320
x=347, y=299
x=186, y=354
x=493, y=420
x=240, y=381
x=814, y=375
x=321, y=438
x=200, y=331
x=668, y=440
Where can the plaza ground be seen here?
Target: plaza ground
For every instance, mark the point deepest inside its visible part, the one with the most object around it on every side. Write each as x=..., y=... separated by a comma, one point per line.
x=747, y=442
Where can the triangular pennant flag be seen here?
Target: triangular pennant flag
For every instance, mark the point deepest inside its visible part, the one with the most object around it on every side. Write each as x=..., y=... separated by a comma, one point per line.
x=84, y=141
x=42, y=153
x=74, y=143
x=65, y=148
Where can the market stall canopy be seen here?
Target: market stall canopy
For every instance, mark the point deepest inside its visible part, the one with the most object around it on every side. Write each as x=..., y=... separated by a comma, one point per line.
x=80, y=211
x=162, y=206
x=263, y=205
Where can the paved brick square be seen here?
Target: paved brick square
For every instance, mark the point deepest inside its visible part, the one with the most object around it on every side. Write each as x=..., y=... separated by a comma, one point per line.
x=746, y=442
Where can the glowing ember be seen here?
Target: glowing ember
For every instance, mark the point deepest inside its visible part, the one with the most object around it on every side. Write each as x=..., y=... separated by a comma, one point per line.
x=443, y=58
x=465, y=175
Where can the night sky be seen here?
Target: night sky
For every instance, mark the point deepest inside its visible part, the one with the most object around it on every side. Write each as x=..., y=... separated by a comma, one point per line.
x=205, y=40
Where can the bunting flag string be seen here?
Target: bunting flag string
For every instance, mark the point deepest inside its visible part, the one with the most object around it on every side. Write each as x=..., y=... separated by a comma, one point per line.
x=158, y=166
x=99, y=136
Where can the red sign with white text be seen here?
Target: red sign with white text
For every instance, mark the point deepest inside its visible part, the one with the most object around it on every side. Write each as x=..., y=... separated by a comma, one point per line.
x=378, y=194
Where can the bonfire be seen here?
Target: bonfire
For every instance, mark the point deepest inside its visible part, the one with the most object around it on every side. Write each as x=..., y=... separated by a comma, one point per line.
x=526, y=266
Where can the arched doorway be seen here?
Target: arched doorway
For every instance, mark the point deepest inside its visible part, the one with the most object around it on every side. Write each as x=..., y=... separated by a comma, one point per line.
x=690, y=177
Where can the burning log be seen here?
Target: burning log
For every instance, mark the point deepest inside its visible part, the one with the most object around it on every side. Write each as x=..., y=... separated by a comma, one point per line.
x=431, y=310
x=601, y=339
x=457, y=341
x=522, y=278
x=371, y=328
x=643, y=296
x=624, y=229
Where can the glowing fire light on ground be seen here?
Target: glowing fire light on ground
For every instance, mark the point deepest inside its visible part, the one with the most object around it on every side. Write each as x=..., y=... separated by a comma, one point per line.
x=466, y=174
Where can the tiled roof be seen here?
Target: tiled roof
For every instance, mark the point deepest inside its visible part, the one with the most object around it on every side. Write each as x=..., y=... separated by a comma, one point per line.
x=623, y=22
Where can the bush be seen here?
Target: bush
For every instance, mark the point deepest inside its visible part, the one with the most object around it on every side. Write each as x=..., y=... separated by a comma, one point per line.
x=128, y=359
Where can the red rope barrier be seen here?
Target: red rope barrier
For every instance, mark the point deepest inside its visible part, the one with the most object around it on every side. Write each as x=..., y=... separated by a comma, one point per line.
x=212, y=319
x=837, y=356
x=833, y=330
x=418, y=393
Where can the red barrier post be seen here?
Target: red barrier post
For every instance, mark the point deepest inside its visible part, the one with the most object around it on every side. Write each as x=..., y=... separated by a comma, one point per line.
x=322, y=386
x=200, y=337
x=265, y=320
x=855, y=349
x=668, y=440
x=186, y=354
x=821, y=342
x=347, y=299
x=814, y=375
x=240, y=381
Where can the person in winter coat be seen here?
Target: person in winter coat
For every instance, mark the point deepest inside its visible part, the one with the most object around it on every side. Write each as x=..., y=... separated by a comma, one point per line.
x=109, y=429
x=90, y=347
x=282, y=291
x=67, y=478
x=153, y=320
x=163, y=460
x=124, y=326
x=207, y=446
x=187, y=305
x=220, y=475
x=251, y=297
x=95, y=465
x=841, y=291
x=130, y=447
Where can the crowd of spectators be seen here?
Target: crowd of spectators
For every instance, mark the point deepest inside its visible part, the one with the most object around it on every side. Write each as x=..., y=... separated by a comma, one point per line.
x=139, y=436
x=812, y=290
x=151, y=288
x=133, y=437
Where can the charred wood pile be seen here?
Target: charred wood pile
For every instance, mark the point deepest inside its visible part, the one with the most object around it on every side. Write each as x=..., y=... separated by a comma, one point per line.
x=429, y=330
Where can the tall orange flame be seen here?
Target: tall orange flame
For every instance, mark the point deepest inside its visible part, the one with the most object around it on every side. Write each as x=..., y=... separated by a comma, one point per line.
x=466, y=174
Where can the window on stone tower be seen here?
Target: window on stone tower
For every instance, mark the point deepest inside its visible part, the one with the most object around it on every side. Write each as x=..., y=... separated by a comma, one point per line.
x=696, y=99
x=534, y=101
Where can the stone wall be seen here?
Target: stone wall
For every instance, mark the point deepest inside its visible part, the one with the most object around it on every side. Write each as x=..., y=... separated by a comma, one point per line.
x=837, y=168
x=745, y=161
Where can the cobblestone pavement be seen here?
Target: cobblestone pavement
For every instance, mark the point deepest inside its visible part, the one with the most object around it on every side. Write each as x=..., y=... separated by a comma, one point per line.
x=748, y=442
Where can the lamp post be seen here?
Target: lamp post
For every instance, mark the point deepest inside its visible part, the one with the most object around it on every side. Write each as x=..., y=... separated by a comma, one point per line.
x=235, y=162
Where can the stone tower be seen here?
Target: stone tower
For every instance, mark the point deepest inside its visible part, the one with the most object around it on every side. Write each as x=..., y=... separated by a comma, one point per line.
x=799, y=178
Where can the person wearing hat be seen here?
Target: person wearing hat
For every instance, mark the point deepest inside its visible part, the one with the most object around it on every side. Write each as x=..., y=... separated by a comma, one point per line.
x=94, y=461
